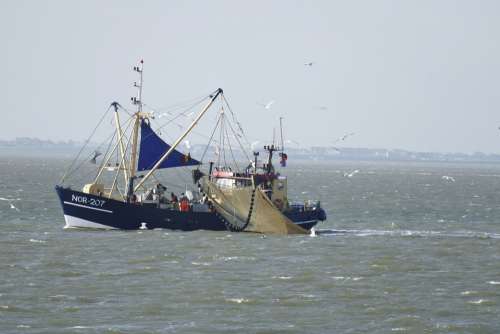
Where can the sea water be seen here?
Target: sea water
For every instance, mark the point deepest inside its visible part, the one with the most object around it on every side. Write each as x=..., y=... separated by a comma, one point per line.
x=404, y=250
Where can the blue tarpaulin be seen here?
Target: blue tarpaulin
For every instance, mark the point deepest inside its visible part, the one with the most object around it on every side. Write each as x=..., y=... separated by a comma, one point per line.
x=153, y=147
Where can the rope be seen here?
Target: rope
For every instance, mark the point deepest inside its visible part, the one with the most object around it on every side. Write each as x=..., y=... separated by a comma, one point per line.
x=236, y=167
x=239, y=143
x=83, y=147
x=210, y=140
x=105, y=154
x=237, y=123
x=178, y=105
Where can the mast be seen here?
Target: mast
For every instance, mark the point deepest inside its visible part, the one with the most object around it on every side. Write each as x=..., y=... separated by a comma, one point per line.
x=120, y=140
x=281, y=131
x=270, y=149
x=135, y=132
x=179, y=140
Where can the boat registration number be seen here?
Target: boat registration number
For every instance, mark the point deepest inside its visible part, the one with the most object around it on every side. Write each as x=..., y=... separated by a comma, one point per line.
x=88, y=201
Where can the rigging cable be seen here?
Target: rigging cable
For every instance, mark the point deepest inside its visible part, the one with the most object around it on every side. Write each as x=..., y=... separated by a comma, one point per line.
x=83, y=147
x=105, y=154
x=239, y=142
x=236, y=167
x=110, y=137
x=210, y=140
x=236, y=121
x=85, y=176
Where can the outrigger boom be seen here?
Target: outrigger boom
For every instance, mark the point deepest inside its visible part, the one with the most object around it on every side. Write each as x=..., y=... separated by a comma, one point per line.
x=179, y=140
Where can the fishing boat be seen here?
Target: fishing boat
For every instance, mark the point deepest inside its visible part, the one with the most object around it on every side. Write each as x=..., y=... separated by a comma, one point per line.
x=127, y=193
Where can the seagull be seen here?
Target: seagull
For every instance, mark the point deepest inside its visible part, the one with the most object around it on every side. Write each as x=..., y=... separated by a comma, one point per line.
x=254, y=144
x=344, y=137
x=267, y=105
x=96, y=154
x=351, y=174
x=309, y=63
x=240, y=127
x=321, y=108
x=290, y=141
x=163, y=114
x=448, y=178
x=336, y=149
x=347, y=135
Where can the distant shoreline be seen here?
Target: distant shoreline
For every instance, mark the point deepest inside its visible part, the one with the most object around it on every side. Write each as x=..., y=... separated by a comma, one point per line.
x=303, y=155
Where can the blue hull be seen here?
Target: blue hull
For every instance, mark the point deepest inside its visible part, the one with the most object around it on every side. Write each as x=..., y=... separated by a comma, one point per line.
x=83, y=210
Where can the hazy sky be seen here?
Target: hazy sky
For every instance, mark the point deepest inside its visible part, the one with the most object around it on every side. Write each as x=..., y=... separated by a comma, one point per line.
x=417, y=75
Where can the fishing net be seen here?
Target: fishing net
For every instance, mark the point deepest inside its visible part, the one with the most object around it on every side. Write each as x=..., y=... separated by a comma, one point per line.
x=248, y=209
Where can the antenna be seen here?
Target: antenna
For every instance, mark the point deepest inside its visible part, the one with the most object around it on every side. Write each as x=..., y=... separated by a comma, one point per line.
x=281, y=131
x=138, y=99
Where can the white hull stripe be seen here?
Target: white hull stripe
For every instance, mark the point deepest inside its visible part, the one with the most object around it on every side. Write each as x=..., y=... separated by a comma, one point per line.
x=87, y=207
x=75, y=222
x=305, y=222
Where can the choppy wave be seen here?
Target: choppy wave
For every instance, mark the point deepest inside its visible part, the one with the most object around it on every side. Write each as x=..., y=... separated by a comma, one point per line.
x=409, y=233
x=238, y=300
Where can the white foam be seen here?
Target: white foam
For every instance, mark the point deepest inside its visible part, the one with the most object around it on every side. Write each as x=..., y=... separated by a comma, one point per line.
x=410, y=233
x=478, y=302
x=494, y=282
x=38, y=241
x=201, y=263
x=237, y=300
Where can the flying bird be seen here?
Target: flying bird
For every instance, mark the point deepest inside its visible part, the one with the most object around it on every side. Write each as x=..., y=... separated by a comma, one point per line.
x=321, y=108
x=254, y=144
x=344, y=137
x=163, y=115
x=448, y=178
x=267, y=105
x=290, y=141
x=351, y=174
x=336, y=149
x=187, y=144
x=96, y=154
